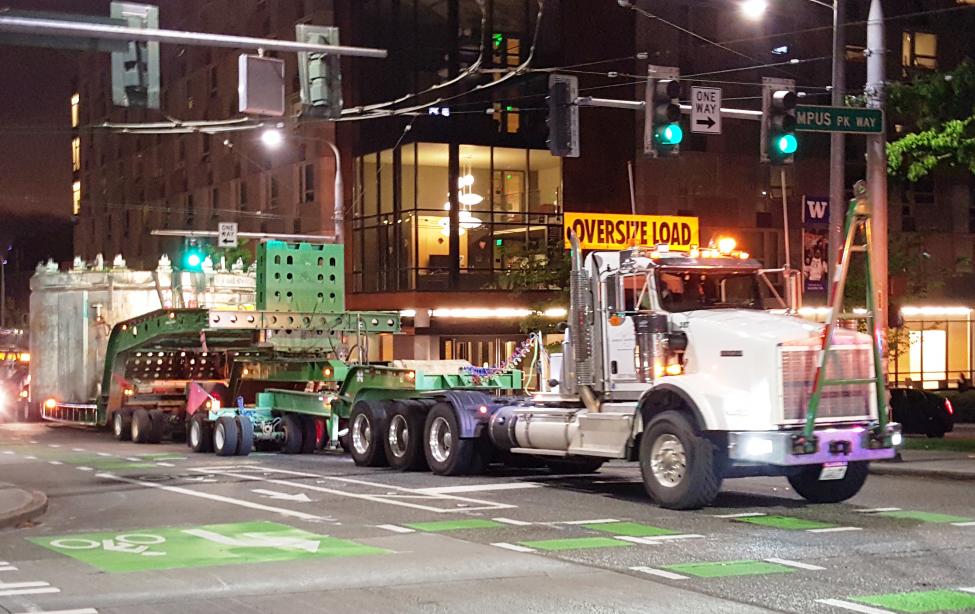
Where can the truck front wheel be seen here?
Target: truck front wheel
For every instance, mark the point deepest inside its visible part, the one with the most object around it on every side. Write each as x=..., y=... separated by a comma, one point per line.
x=806, y=482
x=679, y=466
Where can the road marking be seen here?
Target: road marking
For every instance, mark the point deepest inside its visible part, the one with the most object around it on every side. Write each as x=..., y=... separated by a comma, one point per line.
x=257, y=540
x=165, y=464
x=55, y=463
x=104, y=454
x=212, y=497
x=596, y=521
x=970, y=589
x=854, y=607
x=54, y=445
x=877, y=510
x=741, y=515
x=30, y=458
x=23, y=585
x=8, y=568
x=963, y=524
x=34, y=441
x=81, y=611
x=514, y=547
x=517, y=523
x=834, y=530
x=395, y=529
x=8, y=452
x=470, y=504
x=796, y=564
x=659, y=572
x=283, y=496
x=134, y=459
x=646, y=541
x=446, y=490
x=77, y=449
x=84, y=468
x=683, y=536
x=30, y=591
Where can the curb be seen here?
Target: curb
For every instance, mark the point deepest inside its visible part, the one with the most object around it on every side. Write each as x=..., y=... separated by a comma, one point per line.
x=36, y=507
x=877, y=469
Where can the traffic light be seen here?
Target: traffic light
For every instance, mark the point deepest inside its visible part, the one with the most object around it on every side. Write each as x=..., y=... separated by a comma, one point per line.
x=563, y=116
x=320, y=74
x=663, y=133
x=779, y=142
x=193, y=256
x=135, y=71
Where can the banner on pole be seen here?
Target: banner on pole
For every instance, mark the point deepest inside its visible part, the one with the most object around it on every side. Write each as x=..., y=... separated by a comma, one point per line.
x=815, y=244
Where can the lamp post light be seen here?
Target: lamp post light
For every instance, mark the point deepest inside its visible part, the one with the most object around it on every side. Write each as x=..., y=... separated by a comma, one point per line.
x=753, y=9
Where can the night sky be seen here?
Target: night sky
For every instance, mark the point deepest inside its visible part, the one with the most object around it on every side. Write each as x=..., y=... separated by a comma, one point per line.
x=35, y=142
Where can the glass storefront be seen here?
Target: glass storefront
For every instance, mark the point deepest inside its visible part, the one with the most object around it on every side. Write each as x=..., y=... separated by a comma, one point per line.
x=509, y=215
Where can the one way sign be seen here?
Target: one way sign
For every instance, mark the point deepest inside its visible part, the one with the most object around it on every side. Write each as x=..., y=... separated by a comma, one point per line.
x=706, y=110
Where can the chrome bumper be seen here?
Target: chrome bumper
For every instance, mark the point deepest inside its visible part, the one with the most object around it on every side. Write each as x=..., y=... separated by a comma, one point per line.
x=840, y=444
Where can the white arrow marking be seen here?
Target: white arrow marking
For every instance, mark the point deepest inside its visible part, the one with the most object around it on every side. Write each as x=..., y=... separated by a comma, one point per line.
x=273, y=494
x=111, y=546
x=257, y=540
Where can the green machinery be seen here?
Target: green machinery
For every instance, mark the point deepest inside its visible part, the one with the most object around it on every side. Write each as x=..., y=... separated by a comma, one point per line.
x=300, y=355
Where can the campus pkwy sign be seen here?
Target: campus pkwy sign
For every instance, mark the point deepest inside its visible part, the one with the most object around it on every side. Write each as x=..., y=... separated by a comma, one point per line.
x=606, y=231
x=839, y=119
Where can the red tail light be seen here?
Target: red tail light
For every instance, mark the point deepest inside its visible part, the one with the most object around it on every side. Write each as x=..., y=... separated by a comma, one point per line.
x=951, y=410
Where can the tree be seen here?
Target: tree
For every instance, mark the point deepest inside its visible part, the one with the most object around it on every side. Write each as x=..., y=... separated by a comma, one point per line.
x=939, y=109
x=530, y=272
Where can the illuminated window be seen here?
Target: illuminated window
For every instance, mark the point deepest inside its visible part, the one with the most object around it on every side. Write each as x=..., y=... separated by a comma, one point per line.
x=76, y=197
x=75, y=115
x=928, y=356
x=919, y=50
x=76, y=154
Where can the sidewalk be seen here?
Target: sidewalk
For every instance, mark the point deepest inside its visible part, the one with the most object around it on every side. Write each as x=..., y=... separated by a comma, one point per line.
x=937, y=464
x=18, y=505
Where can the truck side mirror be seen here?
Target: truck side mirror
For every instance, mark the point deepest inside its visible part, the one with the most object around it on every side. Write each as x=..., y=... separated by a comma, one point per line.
x=562, y=326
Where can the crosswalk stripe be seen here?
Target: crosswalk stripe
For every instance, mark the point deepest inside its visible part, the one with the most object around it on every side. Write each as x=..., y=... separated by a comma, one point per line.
x=795, y=564
x=55, y=463
x=517, y=523
x=741, y=515
x=877, y=510
x=8, y=568
x=596, y=521
x=30, y=591
x=23, y=585
x=646, y=541
x=853, y=607
x=659, y=572
x=80, y=611
x=85, y=469
x=395, y=528
x=514, y=547
x=834, y=530
x=963, y=524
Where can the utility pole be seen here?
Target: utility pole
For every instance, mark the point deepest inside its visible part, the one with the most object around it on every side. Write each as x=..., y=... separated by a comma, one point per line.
x=837, y=143
x=877, y=162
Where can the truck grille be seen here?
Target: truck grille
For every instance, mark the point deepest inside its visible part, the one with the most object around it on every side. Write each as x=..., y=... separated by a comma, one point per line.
x=847, y=361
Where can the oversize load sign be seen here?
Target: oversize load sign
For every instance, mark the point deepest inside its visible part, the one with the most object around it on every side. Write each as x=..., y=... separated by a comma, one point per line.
x=615, y=232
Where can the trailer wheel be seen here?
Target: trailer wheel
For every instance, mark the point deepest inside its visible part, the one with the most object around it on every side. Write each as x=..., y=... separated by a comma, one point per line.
x=141, y=426
x=122, y=424
x=806, y=482
x=293, y=434
x=199, y=436
x=226, y=436
x=446, y=452
x=246, y=437
x=367, y=423
x=309, y=435
x=157, y=420
x=404, y=437
x=679, y=466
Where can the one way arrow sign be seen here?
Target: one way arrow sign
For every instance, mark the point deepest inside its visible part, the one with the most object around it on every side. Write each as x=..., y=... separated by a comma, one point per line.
x=706, y=110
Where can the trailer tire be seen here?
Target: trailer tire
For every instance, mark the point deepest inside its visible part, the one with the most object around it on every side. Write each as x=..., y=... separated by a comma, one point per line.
x=446, y=452
x=122, y=424
x=679, y=466
x=246, y=436
x=404, y=437
x=198, y=437
x=309, y=435
x=807, y=484
x=141, y=426
x=367, y=424
x=226, y=436
x=293, y=434
x=157, y=421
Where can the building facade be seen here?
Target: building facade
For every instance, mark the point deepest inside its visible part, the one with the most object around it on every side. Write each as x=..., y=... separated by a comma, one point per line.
x=452, y=209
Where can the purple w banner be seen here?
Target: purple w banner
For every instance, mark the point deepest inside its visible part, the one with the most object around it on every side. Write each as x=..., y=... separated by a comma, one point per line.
x=815, y=210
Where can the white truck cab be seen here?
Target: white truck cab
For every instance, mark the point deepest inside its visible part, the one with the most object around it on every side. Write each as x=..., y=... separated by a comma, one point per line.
x=674, y=360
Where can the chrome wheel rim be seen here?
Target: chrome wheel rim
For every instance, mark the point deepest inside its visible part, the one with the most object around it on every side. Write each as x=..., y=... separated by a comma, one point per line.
x=399, y=436
x=219, y=437
x=195, y=435
x=135, y=430
x=117, y=424
x=440, y=440
x=668, y=460
x=361, y=433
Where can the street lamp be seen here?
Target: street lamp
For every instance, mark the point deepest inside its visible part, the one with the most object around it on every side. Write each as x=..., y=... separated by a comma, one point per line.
x=272, y=138
x=754, y=9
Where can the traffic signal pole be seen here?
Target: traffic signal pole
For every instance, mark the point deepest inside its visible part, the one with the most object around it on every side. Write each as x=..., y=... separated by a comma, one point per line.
x=837, y=142
x=877, y=164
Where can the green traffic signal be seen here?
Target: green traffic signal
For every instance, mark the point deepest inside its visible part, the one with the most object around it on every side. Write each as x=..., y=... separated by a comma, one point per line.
x=193, y=259
x=671, y=134
x=787, y=144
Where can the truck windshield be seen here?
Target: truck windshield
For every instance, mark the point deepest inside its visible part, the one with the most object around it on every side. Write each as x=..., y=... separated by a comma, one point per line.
x=693, y=289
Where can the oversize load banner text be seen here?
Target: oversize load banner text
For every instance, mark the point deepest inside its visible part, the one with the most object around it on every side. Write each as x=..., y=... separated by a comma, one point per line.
x=616, y=232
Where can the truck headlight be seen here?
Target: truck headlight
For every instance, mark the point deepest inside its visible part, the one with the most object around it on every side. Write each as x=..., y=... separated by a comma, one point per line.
x=758, y=446
x=896, y=439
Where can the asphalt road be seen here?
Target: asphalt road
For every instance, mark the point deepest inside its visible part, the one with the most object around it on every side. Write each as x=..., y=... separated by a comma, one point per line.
x=135, y=528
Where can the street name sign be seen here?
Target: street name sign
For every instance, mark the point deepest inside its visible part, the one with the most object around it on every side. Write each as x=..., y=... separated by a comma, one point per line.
x=227, y=234
x=706, y=110
x=839, y=119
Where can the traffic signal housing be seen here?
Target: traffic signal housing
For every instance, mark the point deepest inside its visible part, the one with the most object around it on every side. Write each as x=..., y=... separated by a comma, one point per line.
x=135, y=71
x=319, y=74
x=663, y=133
x=779, y=143
x=563, y=116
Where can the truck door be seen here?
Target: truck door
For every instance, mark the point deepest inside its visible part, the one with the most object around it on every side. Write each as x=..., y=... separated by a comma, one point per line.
x=623, y=291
